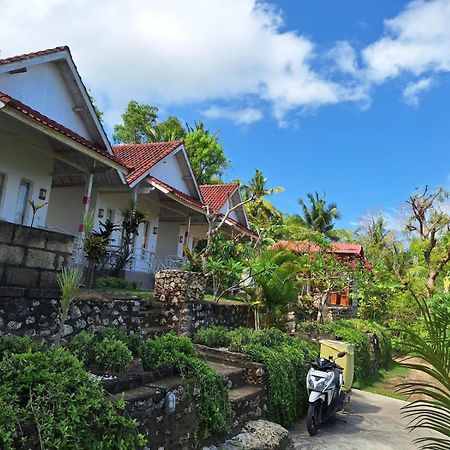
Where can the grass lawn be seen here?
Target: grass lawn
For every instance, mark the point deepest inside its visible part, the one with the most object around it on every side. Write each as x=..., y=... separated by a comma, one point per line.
x=223, y=300
x=385, y=381
x=105, y=293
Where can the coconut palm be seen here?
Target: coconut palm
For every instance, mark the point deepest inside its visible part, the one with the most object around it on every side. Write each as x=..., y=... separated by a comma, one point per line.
x=260, y=211
x=320, y=216
x=432, y=410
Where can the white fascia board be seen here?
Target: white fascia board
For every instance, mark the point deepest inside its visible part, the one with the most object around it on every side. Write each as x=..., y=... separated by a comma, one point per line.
x=188, y=164
x=88, y=102
x=59, y=56
x=65, y=139
x=33, y=61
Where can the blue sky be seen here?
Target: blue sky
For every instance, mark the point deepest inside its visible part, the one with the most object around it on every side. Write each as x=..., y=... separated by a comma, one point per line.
x=346, y=97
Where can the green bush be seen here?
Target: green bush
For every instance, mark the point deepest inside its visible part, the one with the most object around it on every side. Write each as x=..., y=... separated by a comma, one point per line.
x=82, y=346
x=14, y=344
x=354, y=331
x=114, y=283
x=287, y=367
x=286, y=359
x=214, y=336
x=112, y=355
x=86, y=346
x=178, y=351
x=50, y=394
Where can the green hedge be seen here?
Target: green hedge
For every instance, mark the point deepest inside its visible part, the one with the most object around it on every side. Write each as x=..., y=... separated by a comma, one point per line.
x=214, y=410
x=354, y=331
x=47, y=391
x=286, y=360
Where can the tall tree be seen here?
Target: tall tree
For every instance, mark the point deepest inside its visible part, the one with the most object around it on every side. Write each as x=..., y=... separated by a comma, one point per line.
x=205, y=153
x=261, y=212
x=139, y=121
x=170, y=129
x=320, y=216
x=428, y=223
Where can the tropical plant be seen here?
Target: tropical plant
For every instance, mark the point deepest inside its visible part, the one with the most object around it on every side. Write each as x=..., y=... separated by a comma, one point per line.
x=139, y=121
x=320, y=216
x=428, y=223
x=69, y=282
x=206, y=154
x=35, y=207
x=431, y=411
x=132, y=217
x=261, y=212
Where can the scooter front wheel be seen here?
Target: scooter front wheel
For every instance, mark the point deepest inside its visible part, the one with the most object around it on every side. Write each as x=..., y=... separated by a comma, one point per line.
x=313, y=418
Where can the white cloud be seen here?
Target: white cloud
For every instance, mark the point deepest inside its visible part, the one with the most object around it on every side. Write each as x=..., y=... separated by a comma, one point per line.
x=345, y=57
x=411, y=93
x=176, y=51
x=244, y=116
x=416, y=41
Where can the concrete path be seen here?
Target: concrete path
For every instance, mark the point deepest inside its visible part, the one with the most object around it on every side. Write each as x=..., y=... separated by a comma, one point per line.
x=373, y=423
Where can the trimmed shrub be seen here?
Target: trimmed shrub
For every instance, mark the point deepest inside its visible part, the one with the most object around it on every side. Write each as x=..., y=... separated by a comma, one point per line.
x=112, y=355
x=354, y=331
x=214, y=409
x=82, y=345
x=48, y=394
x=214, y=336
x=14, y=344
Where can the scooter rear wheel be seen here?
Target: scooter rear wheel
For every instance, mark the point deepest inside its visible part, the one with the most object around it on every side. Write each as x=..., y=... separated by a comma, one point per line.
x=312, y=418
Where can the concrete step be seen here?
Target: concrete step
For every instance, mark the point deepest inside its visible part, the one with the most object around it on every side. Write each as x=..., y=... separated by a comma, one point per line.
x=247, y=403
x=234, y=376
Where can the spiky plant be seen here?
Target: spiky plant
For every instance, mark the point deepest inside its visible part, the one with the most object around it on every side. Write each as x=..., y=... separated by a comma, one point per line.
x=432, y=410
x=69, y=282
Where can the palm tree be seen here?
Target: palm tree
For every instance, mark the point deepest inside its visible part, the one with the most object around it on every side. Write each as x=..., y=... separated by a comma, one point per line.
x=320, y=216
x=432, y=411
x=261, y=212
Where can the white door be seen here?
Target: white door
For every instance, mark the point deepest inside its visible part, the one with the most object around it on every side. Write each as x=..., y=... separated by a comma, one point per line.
x=22, y=202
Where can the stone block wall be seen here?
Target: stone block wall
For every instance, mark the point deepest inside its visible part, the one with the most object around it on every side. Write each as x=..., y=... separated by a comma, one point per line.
x=32, y=257
x=183, y=292
x=333, y=313
x=34, y=313
x=205, y=314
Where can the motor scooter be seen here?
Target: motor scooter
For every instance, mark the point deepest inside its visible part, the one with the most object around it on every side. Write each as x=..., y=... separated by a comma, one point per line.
x=324, y=383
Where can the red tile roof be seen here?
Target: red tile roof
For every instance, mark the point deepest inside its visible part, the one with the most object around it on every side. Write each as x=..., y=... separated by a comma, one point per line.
x=339, y=248
x=216, y=195
x=190, y=201
x=143, y=156
x=27, y=56
x=44, y=120
x=180, y=195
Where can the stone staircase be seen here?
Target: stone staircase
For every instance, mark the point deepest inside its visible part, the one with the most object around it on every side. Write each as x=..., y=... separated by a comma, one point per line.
x=247, y=400
x=155, y=318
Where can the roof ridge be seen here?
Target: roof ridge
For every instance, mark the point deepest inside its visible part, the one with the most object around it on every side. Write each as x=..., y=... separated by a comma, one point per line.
x=25, y=56
x=176, y=141
x=220, y=184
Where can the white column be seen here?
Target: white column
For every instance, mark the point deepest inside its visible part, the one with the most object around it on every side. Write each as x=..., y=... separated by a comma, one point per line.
x=86, y=203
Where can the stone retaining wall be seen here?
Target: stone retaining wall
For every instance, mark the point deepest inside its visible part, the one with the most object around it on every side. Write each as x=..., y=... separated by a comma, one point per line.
x=34, y=312
x=32, y=257
x=205, y=314
x=183, y=292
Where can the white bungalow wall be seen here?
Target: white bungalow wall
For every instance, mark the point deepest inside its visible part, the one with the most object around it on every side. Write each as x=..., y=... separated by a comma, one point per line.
x=43, y=88
x=169, y=171
x=20, y=162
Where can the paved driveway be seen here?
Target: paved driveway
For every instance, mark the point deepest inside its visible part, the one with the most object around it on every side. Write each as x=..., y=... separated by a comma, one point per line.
x=373, y=423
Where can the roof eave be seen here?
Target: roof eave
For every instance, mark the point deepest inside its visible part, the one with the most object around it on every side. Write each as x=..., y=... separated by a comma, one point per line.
x=22, y=117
